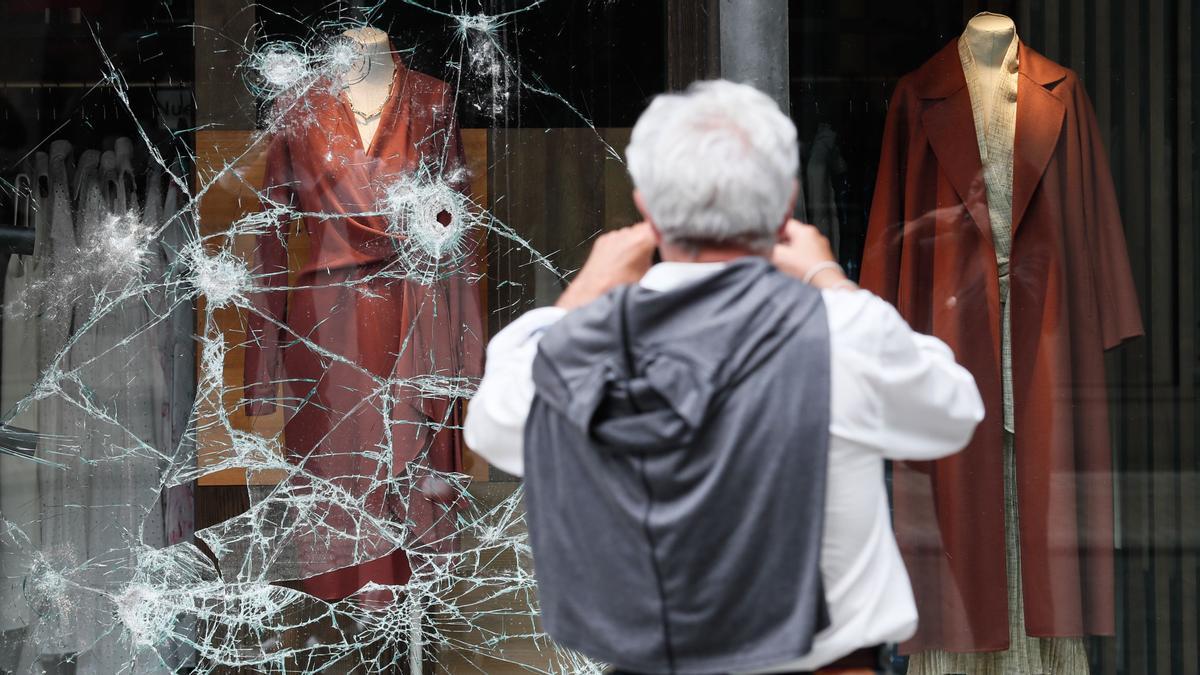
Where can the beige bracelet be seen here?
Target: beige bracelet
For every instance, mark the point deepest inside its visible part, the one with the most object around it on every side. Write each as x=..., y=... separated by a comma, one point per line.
x=821, y=267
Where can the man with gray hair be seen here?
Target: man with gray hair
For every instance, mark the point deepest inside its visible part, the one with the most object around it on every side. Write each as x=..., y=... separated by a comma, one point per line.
x=703, y=440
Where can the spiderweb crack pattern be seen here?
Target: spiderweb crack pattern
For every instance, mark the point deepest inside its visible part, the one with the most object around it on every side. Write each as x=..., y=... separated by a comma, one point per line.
x=131, y=599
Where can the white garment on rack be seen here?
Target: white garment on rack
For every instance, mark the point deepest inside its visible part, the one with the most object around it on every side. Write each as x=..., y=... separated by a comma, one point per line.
x=57, y=422
x=64, y=483
x=122, y=476
x=102, y=505
x=18, y=375
x=171, y=303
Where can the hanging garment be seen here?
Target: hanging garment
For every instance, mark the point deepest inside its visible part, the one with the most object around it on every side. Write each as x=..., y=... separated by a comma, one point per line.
x=174, y=328
x=122, y=383
x=156, y=271
x=126, y=179
x=994, y=112
x=179, y=230
x=18, y=376
x=54, y=257
x=930, y=251
x=824, y=163
x=101, y=499
x=362, y=337
x=63, y=527
x=170, y=302
x=1025, y=655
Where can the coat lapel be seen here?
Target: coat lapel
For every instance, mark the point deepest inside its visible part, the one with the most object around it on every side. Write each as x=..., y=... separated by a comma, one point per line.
x=951, y=130
x=1040, y=117
x=950, y=127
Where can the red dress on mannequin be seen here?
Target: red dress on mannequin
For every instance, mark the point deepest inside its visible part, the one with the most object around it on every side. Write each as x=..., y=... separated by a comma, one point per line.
x=360, y=336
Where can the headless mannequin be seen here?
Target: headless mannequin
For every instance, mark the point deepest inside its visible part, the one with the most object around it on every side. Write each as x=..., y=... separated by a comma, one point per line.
x=369, y=80
x=990, y=66
x=988, y=36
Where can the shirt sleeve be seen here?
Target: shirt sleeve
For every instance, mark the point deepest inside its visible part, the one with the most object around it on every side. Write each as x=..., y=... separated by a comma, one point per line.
x=495, y=424
x=907, y=397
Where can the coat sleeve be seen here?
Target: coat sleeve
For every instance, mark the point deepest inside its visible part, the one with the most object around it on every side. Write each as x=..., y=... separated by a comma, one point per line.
x=1116, y=295
x=268, y=303
x=885, y=228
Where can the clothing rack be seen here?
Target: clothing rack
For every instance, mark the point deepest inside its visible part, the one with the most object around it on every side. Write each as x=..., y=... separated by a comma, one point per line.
x=90, y=85
x=16, y=240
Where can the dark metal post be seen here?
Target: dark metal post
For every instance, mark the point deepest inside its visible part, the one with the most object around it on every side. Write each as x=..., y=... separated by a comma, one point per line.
x=16, y=240
x=754, y=46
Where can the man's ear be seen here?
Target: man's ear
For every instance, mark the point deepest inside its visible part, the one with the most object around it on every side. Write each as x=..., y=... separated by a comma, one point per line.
x=790, y=210
x=641, y=207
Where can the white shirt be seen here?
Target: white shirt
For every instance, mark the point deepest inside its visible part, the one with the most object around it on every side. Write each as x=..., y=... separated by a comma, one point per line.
x=896, y=394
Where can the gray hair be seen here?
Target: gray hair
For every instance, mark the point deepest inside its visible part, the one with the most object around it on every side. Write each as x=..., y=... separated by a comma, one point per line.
x=715, y=165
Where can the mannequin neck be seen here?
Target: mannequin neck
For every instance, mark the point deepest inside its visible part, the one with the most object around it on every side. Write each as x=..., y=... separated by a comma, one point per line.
x=376, y=64
x=369, y=80
x=988, y=37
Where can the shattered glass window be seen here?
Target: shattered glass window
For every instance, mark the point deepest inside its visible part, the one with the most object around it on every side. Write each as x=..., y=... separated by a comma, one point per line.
x=252, y=255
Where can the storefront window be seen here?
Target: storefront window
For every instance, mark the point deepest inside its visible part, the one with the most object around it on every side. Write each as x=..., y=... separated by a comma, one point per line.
x=1017, y=178
x=254, y=251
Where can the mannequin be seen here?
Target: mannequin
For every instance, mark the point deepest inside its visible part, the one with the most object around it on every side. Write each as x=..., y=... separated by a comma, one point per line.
x=370, y=78
x=332, y=154
x=988, y=50
x=989, y=36
x=996, y=228
x=988, y=54
x=388, y=450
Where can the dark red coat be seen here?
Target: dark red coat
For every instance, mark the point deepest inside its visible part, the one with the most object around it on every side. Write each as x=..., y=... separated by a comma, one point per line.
x=929, y=251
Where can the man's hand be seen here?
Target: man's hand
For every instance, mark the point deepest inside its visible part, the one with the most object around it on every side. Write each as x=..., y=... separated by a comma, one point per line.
x=803, y=250
x=619, y=257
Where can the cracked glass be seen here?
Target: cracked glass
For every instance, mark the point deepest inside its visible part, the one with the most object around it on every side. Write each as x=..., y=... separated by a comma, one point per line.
x=253, y=254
